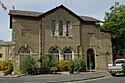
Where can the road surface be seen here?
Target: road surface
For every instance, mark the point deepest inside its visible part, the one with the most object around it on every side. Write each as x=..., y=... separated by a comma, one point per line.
x=109, y=79
x=39, y=79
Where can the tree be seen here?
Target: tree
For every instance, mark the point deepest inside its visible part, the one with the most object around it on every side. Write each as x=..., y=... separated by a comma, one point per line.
x=115, y=21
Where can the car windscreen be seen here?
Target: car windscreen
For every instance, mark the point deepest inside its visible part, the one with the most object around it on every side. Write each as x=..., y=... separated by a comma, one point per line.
x=120, y=61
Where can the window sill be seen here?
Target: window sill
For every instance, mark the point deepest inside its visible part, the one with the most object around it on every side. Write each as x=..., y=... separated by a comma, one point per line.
x=69, y=36
x=62, y=36
x=55, y=36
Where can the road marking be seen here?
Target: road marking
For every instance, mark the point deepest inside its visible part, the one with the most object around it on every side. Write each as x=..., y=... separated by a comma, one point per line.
x=93, y=79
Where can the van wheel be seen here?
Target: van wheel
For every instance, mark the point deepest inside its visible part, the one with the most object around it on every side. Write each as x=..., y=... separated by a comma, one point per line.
x=113, y=74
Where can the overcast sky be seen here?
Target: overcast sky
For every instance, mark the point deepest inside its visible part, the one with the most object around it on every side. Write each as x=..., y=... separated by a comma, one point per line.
x=93, y=8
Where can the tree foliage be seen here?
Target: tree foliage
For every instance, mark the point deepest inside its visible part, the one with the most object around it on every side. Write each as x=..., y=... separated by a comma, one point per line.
x=115, y=20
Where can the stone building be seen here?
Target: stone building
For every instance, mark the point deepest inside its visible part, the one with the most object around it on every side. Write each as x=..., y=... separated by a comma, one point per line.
x=63, y=33
x=5, y=50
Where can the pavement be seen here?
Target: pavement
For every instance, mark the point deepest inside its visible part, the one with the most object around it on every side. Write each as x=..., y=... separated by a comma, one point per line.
x=62, y=76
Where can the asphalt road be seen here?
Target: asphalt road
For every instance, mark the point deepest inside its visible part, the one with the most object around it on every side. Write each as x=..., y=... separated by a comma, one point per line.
x=109, y=79
x=58, y=78
x=51, y=78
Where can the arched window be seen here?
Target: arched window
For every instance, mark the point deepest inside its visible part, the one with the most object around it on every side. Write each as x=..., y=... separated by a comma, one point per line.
x=60, y=28
x=55, y=54
x=67, y=28
x=67, y=54
x=53, y=27
x=24, y=50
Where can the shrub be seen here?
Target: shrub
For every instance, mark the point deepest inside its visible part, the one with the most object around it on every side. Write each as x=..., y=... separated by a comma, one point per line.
x=46, y=63
x=27, y=63
x=79, y=65
x=7, y=65
x=71, y=66
x=62, y=65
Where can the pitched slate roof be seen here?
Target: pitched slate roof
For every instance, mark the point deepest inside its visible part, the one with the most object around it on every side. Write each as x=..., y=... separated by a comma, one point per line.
x=24, y=13
x=4, y=43
x=87, y=18
x=38, y=14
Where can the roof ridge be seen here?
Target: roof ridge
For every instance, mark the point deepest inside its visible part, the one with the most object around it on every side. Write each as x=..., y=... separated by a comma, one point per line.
x=25, y=10
x=39, y=14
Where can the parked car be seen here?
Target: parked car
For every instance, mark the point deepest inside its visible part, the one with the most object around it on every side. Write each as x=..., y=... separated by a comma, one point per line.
x=117, y=67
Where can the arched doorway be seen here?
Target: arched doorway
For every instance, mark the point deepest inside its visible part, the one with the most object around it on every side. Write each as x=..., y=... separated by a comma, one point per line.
x=24, y=55
x=90, y=59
